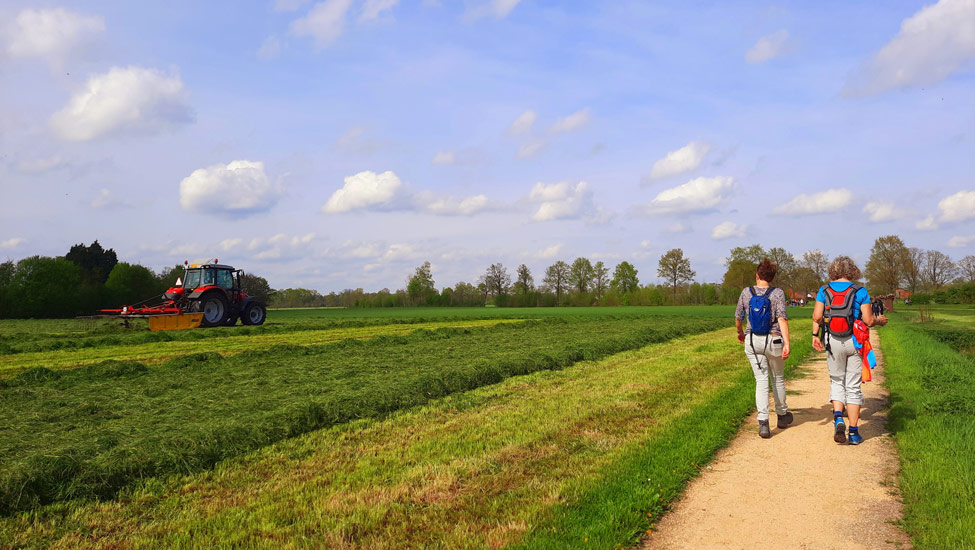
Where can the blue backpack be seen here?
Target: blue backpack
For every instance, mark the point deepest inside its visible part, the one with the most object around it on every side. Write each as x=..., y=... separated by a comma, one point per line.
x=760, y=312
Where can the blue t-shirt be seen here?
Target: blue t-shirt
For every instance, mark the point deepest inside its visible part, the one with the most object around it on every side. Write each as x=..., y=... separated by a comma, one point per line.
x=862, y=296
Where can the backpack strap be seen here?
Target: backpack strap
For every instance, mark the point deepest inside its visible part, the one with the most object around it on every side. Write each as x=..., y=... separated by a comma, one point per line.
x=752, y=290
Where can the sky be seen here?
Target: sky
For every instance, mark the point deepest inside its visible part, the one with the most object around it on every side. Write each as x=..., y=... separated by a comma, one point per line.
x=342, y=143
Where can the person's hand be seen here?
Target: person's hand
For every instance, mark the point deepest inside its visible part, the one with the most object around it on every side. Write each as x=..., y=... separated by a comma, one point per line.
x=882, y=320
x=817, y=344
x=741, y=337
x=785, y=350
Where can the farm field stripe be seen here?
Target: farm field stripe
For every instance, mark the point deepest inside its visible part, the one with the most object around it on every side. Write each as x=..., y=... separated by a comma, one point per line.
x=472, y=470
x=88, y=432
x=158, y=352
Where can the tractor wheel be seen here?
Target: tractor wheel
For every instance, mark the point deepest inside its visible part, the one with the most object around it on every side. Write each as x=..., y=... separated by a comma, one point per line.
x=254, y=314
x=231, y=319
x=214, y=308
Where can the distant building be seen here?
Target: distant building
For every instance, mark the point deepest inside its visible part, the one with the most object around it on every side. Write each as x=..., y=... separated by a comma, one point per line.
x=902, y=294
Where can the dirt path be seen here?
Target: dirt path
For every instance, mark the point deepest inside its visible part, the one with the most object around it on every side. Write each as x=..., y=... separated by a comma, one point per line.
x=798, y=489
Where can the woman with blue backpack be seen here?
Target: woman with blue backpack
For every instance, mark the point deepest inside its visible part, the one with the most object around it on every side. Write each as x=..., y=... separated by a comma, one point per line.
x=839, y=305
x=766, y=341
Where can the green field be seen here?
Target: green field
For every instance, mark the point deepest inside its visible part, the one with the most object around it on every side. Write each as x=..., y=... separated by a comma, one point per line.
x=426, y=428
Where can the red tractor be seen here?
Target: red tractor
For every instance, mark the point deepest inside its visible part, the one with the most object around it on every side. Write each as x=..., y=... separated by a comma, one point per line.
x=209, y=295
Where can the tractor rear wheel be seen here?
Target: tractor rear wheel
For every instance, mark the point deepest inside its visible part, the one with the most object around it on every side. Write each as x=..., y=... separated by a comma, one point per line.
x=254, y=314
x=214, y=308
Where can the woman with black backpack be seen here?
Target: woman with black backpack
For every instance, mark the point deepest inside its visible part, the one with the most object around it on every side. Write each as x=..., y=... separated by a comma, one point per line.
x=766, y=340
x=840, y=304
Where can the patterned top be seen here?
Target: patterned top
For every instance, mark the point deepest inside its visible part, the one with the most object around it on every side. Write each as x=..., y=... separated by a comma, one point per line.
x=778, y=306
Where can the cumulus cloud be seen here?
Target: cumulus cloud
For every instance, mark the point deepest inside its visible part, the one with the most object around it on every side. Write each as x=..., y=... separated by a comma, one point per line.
x=697, y=195
x=727, y=230
x=563, y=200
x=575, y=121
x=281, y=246
x=494, y=8
x=768, y=47
x=685, y=159
x=531, y=148
x=523, y=124
x=11, y=243
x=450, y=206
x=324, y=23
x=51, y=34
x=958, y=207
x=932, y=44
x=125, y=99
x=372, y=9
x=883, y=211
x=366, y=191
x=961, y=242
x=401, y=251
x=238, y=188
x=549, y=252
x=927, y=224
x=816, y=203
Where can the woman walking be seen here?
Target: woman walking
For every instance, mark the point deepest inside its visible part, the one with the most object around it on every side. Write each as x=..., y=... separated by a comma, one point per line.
x=838, y=305
x=766, y=340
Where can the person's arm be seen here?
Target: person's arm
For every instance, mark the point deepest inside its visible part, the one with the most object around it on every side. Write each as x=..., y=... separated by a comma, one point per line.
x=871, y=320
x=817, y=318
x=741, y=330
x=739, y=316
x=784, y=327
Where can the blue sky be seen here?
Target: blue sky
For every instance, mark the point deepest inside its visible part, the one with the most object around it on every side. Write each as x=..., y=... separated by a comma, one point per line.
x=340, y=144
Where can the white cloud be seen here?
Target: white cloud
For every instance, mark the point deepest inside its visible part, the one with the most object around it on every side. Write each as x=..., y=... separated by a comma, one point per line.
x=450, y=206
x=685, y=159
x=573, y=122
x=42, y=165
x=230, y=244
x=816, y=203
x=768, y=47
x=531, y=148
x=401, y=252
x=549, y=252
x=366, y=191
x=11, y=243
x=235, y=189
x=277, y=247
x=270, y=49
x=961, y=242
x=679, y=227
x=927, y=224
x=105, y=199
x=372, y=9
x=883, y=211
x=125, y=99
x=51, y=34
x=932, y=44
x=958, y=207
x=523, y=124
x=444, y=157
x=563, y=200
x=494, y=8
x=727, y=230
x=697, y=195
x=323, y=23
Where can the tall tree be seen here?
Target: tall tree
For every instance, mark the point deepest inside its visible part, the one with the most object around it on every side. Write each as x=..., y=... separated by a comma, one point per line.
x=580, y=274
x=420, y=284
x=130, y=284
x=95, y=262
x=625, y=278
x=44, y=287
x=806, y=280
x=938, y=269
x=913, y=264
x=557, y=279
x=496, y=279
x=885, y=268
x=786, y=264
x=600, y=279
x=675, y=268
x=525, y=282
x=967, y=267
x=818, y=263
x=740, y=273
x=752, y=254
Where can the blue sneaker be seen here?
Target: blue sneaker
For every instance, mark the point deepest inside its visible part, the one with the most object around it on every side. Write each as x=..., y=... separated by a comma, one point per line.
x=855, y=438
x=839, y=430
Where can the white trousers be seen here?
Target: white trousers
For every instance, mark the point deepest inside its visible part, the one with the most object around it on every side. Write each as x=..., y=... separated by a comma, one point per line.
x=766, y=360
x=845, y=371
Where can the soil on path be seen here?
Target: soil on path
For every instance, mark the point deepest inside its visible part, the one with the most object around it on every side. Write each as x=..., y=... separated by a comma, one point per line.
x=798, y=489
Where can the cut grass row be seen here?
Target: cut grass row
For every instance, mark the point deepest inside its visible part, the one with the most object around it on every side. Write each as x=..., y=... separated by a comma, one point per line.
x=932, y=417
x=88, y=432
x=578, y=458
x=160, y=351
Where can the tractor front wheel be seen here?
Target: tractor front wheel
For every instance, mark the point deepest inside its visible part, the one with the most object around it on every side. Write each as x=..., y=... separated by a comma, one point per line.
x=254, y=314
x=214, y=308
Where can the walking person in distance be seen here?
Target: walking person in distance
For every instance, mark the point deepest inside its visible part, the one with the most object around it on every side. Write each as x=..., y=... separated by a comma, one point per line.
x=839, y=305
x=766, y=341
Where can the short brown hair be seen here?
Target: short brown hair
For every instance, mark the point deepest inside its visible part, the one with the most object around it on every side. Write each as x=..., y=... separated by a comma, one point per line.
x=767, y=270
x=843, y=267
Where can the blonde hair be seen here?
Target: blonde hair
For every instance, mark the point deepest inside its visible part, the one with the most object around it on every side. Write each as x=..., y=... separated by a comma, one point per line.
x=843, y=267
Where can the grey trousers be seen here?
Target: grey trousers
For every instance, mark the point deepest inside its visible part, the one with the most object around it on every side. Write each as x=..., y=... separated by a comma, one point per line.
x=766, y=360
x=845, y=371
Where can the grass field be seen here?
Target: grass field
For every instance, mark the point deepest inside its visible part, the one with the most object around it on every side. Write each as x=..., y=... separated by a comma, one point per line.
x=931, y=376
x=544, y=431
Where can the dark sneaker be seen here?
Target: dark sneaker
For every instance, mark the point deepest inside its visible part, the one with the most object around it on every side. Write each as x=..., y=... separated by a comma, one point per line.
x=839, y=430
x=855, y=438
x=763, y=430
x=785, y=419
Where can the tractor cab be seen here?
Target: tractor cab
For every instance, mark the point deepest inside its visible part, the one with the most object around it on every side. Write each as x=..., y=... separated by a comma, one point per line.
x=222, y=276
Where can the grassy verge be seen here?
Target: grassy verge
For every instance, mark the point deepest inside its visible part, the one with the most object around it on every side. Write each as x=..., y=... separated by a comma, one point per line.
x=88, y=432
x=932, y=417
x=479, y=469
